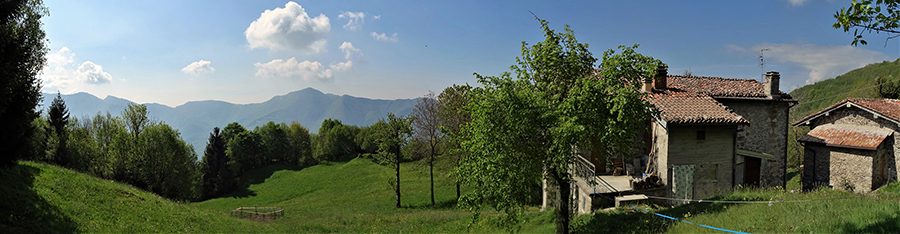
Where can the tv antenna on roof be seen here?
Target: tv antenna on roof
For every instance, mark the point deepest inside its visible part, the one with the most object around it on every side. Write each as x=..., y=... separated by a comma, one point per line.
x=762, y=66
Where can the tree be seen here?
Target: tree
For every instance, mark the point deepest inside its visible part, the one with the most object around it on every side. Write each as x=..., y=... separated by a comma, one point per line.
x=452, y=117
x=525, y=127
x=231, y=130
x=59, y=120
x=22, y=51
x=245, y=151
x=864, y=17
x=335, y=141
x=887, y=88
x=215, y=174
x=391, y=134
x=276, y=143
x=428, y=129
x=136, y=119
x=300, y=144
x=169, y=165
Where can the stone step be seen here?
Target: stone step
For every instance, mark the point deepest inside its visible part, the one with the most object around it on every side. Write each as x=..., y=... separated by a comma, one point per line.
x=626, y=198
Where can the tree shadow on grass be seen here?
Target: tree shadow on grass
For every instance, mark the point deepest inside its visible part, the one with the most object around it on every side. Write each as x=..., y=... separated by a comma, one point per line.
x=886, y=224
x=630, y=220
x=22, y=210
x=440, y=205
x=258, y=176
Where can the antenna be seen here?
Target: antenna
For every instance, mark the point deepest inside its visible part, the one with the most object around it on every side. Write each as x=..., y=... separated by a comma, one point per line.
x=762, y=65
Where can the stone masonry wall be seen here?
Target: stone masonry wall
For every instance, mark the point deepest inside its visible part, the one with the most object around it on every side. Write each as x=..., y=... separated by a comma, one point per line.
x=767, y=133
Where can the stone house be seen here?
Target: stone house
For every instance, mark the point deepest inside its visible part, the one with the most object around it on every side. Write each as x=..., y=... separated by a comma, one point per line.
x=711, y=134
x=852, y=145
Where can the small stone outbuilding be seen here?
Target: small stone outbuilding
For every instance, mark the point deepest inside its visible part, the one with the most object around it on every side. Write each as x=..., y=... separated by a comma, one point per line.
x=852, y=145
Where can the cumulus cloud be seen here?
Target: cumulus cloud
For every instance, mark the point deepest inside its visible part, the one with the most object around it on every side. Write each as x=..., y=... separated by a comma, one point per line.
x=823, y=62
x=356, y=19
x=383, y=37
x=376, y=17
x=797, y=2
x=343, y=66
x=289, y=28
x=61, y=71
x=305, y=70
x=349, y=50
x=198, y=68
x=92, y=73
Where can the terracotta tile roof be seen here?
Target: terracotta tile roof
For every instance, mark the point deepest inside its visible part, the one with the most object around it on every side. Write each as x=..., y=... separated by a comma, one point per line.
x=847, y=136
x=889, y=108
x=721, y=87
x=680, y=107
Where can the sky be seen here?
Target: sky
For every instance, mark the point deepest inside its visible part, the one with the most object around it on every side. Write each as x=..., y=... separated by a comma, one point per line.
x=173, y=52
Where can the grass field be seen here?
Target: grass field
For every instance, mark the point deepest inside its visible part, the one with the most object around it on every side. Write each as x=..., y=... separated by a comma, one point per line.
x=355, y=197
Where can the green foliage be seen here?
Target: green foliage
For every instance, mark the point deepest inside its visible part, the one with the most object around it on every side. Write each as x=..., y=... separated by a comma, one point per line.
x=216, y=175
x=864, y=17
x=232, y=130
x=391, y=134
x=365, y=139
x=300, y=145
x=136, y=119
x=59, y=120
x=860, y=82
x=335, y=141
x=245, y=151
x=23, y=48
x=523, y=126
x=453, y=116
x=277, y=144
x=168, y=165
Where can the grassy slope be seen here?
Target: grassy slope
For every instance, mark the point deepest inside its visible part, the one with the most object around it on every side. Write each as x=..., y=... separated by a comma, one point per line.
x=876, y=214
x=355, y=197
x=854, y=83
x=41, y=198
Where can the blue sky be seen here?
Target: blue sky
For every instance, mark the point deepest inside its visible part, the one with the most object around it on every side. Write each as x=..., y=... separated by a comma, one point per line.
x=172, y=52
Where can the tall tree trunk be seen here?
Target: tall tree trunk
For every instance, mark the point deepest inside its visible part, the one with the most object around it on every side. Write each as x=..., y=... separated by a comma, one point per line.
x=458, y=179
x=564, y=202
x=431, y=165
x=397, y=189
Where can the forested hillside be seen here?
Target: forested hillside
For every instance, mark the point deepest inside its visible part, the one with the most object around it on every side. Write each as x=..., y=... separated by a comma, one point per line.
x=857, y=83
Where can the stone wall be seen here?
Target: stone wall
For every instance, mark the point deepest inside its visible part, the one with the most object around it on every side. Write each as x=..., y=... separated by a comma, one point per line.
x=859, y=117
x=767, y=133
x=713, y=157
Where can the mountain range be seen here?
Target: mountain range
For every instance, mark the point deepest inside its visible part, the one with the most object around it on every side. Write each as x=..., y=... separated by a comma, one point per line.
x=196, y=119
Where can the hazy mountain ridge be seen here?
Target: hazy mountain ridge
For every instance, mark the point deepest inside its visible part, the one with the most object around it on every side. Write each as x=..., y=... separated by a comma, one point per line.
x=196, y=119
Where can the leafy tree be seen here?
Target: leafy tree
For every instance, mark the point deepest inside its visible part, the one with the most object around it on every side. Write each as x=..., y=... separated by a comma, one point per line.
x=38, y=143
x=865, y=17
x=525, y=127
x=300, y=144
x=59, y=120
x=276, y=143
x=216, y=176
x=169, y=165
x=136, y=119
x=365, y=139
x=452, y=117
x=245, y=151
x=83, y=152
x=231, y=130
x=22, y=51
x=887, y=88
x=335, y=141
x=426, y=115
x=391, y=134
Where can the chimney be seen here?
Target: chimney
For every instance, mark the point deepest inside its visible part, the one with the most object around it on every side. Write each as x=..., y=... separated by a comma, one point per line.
x=659, y=82
x=772, y=80
x=648, y=84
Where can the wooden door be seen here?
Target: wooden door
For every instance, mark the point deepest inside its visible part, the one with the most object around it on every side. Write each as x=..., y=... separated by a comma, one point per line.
x=751, y=171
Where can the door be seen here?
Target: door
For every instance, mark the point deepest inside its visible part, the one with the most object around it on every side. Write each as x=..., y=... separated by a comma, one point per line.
x=683, y=181
x=751, y=171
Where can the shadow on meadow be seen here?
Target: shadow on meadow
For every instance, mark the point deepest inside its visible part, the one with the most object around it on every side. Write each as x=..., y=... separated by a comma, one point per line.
x=258, y=176
x=629, y=220
x=23, y=210
x=886, y=224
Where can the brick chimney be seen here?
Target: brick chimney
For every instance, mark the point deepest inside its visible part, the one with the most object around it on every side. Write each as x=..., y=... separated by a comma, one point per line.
x=648, y=84
x=772, y=80
x=659, y=82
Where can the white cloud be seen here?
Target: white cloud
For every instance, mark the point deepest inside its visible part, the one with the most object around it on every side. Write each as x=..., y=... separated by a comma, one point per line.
x=376, y=17
x=797, y=2
x=198, y=68
x=356, y=19
x=92, y=73
x=383, y=37
x=61, y=72
x=343, y=66
x=822, y=62
x=349, y=50
x=289, y=28
x=305, y=70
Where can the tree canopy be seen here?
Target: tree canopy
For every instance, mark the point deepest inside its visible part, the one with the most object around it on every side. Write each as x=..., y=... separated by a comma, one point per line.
x=525, y=125
x=865, y=17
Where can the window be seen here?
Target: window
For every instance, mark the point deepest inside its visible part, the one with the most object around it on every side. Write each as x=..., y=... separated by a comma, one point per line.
x=701, y=134
x=712, y=172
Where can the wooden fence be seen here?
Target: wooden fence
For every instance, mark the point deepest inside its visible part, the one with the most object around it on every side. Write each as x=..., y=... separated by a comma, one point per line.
x=258, y=212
